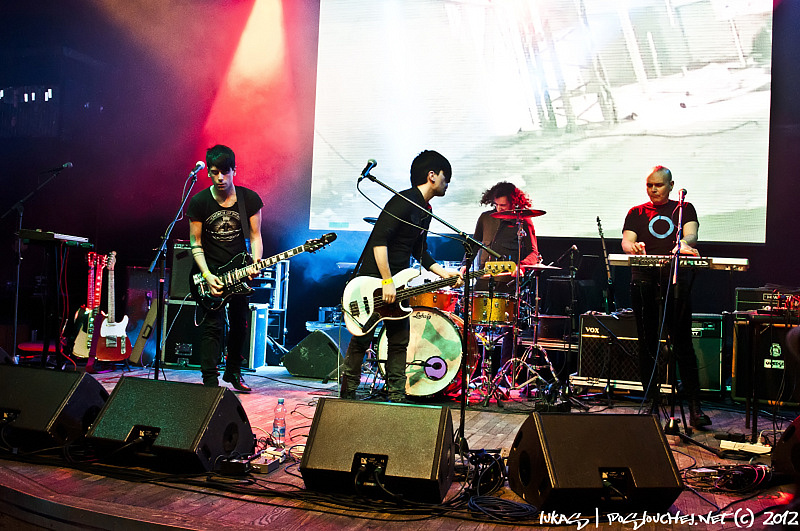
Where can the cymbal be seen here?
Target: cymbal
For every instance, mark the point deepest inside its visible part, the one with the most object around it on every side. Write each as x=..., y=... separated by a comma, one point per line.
x=371, y=221
x=518, y=213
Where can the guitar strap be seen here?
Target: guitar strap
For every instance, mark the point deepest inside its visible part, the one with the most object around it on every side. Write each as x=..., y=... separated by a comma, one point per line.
x=244, y=220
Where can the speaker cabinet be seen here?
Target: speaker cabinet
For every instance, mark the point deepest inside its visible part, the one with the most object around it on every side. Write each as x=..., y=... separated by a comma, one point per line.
x=707, y=339
x=316, y=356
x=581, y=463
x=761, y=358
x=609, y=347
x=173, y=426
x=181, y=271
x=609, y=352
x=410, y=447
x=181, y=336
x=43, y=407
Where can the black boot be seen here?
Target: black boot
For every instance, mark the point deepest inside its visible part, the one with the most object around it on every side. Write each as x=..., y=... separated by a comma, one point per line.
x=697, y=418
x=236, y=381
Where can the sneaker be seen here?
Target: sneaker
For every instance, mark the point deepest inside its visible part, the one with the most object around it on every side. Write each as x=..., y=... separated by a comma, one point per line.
x=237, y=382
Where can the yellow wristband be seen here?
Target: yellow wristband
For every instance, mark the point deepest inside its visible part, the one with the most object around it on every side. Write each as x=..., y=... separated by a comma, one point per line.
x=205, y=275
x=387, y=281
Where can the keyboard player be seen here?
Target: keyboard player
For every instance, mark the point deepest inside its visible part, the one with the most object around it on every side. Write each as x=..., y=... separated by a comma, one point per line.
x=651, y=228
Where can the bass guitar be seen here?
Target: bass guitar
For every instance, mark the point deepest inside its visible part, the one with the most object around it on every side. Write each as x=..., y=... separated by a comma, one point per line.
x=235, y=273
x=363, y=302
x=608, y=292
x=113, y=344
x=85, y=317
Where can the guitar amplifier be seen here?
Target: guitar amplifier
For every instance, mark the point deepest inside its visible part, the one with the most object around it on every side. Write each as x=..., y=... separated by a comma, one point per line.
x=748, y=299
x=181, y=271
x=183, y=337
x=609, y=346
x=609, y=352
x=761, y=359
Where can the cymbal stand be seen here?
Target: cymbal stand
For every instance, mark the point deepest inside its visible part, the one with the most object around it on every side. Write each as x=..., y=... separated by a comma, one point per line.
x=511, y=368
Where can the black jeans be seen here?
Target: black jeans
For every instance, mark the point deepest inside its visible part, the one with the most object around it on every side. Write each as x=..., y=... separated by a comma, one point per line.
x=648, y=292
x=397, y=335
x=212, y=333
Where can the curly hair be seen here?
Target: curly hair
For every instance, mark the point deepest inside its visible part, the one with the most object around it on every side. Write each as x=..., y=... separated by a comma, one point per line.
x=518, y=198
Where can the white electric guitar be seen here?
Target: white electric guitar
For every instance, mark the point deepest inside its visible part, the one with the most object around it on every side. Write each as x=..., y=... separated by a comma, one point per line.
x=362, y=300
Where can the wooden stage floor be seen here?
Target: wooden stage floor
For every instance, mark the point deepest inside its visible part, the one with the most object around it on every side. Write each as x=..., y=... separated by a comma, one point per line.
x=57, y=494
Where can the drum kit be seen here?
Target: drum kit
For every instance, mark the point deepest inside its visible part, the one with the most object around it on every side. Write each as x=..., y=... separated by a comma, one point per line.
x=436, y=328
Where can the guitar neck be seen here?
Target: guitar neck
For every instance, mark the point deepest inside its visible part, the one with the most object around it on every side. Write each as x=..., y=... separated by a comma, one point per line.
x=111, y=302
x=266, y=262
x=433, y=286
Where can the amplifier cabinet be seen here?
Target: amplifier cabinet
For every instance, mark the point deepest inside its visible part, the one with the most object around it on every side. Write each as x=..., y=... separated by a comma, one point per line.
x=609, y=347
x=761, y=358
x=707, y=338
x=182, y=337
x=748, y=299
x=609, y=351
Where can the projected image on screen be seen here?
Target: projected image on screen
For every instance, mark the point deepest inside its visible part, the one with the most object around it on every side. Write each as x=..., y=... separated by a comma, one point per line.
x=572, y=101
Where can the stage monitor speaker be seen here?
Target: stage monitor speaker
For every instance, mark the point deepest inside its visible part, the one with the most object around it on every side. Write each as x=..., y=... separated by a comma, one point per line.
x=761, y=358
x=316, y=356
x=174, y=426
x=409, y=447
x=181, y=271
x=44, y=407
x=582, y=463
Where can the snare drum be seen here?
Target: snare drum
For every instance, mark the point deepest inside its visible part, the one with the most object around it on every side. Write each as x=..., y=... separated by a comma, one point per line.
x=442, y=299
x=434, y=352
x=498, y=310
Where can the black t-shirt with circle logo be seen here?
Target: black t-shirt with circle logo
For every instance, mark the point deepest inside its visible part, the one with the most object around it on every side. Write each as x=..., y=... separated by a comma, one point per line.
x=656, y=227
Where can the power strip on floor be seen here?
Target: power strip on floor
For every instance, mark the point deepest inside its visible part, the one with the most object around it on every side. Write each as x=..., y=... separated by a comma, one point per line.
x=745, y=447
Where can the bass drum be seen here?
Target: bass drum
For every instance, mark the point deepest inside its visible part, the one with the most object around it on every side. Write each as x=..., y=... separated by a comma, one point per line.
x=434, y=352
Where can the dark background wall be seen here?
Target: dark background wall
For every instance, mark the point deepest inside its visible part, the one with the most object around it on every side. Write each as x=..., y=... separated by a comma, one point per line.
x=140, y=80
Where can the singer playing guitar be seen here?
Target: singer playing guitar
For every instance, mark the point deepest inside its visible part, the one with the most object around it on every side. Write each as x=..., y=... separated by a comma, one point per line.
x=653, y=228
x=222, y=217
x=399, y=233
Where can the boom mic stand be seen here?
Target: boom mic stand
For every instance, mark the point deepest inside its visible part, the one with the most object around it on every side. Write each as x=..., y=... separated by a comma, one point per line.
x=671, y=427
x=469, y=245
x=161, y=253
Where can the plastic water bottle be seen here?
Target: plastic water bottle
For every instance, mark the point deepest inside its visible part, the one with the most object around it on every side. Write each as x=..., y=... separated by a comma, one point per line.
x=279, y=424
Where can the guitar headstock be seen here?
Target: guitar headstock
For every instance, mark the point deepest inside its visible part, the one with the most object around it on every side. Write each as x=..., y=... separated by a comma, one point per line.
x=111, y=260
x=318, y=243
x=599, y=227
x=499, y=268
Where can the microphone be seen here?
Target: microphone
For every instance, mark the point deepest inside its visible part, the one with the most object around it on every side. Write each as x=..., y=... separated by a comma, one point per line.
x=58, y=169
x=682, y=194
x=199, y=165
x=371, y=163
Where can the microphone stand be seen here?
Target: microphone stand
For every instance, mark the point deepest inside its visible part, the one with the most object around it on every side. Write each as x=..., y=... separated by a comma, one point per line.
x=161, y=253
x=470, y=244
x=672, y=428
x=18, y=206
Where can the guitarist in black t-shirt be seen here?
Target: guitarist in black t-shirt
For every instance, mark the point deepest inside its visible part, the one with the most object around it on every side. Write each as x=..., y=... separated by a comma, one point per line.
x=217, y=234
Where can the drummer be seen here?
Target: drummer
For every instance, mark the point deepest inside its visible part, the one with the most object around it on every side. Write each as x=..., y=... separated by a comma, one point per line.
x=498, y=229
